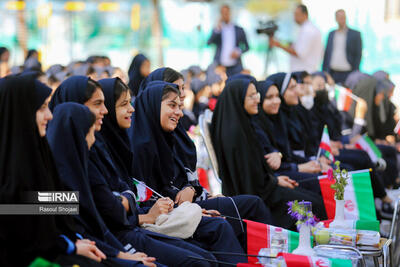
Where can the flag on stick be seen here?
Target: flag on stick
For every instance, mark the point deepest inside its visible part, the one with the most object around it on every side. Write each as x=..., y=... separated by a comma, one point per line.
x=397, y=128
x=143, y=191
x=365, y=143
x=325, y=145
x=343, y=97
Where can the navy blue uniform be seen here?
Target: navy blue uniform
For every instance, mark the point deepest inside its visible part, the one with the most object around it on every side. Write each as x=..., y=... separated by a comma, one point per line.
x=107, y=169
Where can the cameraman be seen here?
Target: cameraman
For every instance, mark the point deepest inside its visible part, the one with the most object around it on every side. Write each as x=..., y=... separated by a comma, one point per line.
x=306, y=51
x=231, y=43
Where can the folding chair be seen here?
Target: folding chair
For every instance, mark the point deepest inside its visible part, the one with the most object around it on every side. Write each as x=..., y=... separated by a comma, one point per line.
x=204, y=122
x=333, y=248
x=387, y=254
x=394, y=248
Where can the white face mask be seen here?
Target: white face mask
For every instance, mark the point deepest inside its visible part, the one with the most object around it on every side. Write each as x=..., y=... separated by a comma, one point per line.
x=307, y=101
x=310, y=89
x=203, y=99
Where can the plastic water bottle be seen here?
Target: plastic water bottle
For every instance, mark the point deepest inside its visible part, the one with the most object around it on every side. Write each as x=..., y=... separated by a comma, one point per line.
x=278, y=241
x=267, y=259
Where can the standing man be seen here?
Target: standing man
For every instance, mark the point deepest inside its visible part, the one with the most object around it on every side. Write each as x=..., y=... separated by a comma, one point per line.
x=306, y=52
x=231, y=43
x=343, y=50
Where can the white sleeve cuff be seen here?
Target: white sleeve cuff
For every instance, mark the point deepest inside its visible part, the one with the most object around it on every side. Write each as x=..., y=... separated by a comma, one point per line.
x=359, y=121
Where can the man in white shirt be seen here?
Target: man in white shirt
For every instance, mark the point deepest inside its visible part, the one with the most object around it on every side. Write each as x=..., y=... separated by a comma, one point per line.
x=306, y=51
x=343, y=50
x=231, y=43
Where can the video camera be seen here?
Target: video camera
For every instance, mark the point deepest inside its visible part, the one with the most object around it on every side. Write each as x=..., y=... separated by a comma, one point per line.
x=269, y=28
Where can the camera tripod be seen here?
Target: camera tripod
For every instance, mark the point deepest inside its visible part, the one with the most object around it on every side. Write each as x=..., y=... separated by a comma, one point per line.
x=270, y=57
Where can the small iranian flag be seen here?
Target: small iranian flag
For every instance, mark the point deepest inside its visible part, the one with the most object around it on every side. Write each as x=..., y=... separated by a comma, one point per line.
x=143, y=191
x=365, y=143
x=293, y=260
x=343, y=98
x=260, y=235
x=325, y=145
x=358, y=224
x=397, y=128
x=358, y=196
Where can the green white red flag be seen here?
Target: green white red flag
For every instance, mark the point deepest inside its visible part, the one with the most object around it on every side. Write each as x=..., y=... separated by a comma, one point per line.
x=293, y=260
x=259, y=235
x=365, y=143
x=358, y=196
x=397, y=128
x=343, y=98
x=358, y=224
x=325, y=145
x=143, y=191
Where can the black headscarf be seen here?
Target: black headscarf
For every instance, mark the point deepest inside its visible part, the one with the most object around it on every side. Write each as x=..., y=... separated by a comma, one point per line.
x=32, y=64
x=115, y=138
x=268, y=144
x=272, y=125
x=306, y=117
x=135, y=76
x=66, y=135
x=73, y=89
x=102, y=160
x=290, y=116
x=212, y=78
x=186, y=150
x=386, y=110
x=26, y=165
x=239, y=76
x=299, y=76
x=196, y=85
x=156, y=75
x=376, y=117
x=241, y=163
x=282, y=80
x=354, y=78
x=30, y=53
x=324, y=112
x=154, y=158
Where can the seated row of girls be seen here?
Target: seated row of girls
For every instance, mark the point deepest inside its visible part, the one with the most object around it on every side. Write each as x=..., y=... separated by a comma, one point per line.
x=324, y=112
x=165, y=158
x=28, y=165
x=302, y=127
x=177, y=177
x=273, y=136
x=307, y=126
x=242, y=165
x=374, y=114
x=272, y=132
x=113, y=192
x=297, y=130
x=213, y=234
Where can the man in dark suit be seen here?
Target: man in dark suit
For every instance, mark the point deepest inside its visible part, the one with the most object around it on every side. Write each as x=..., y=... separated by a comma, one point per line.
x=231, y=43
x=343, y=50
